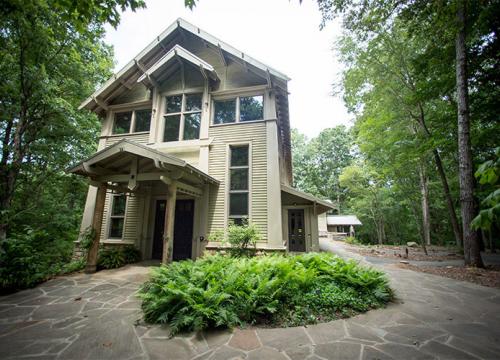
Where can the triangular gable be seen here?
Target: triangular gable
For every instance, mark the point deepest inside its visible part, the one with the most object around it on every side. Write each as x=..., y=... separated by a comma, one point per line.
x=173, y=55
x=141, y=63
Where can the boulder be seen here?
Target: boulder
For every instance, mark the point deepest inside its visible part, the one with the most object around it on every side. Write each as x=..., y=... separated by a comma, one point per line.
x=411, y=244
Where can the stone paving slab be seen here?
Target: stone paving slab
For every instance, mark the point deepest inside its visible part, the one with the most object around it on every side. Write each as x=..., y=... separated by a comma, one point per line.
x=98, y=317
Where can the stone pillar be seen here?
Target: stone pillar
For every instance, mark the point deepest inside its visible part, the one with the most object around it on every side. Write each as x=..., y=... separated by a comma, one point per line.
x=91, y=265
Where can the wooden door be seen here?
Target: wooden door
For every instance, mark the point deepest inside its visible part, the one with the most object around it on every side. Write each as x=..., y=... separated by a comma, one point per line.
x=161, y=208
x=296, y=230
x=183, y=229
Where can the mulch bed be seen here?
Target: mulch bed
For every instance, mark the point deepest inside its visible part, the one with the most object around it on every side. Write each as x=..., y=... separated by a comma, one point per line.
x=436, y=253
x=487, y=277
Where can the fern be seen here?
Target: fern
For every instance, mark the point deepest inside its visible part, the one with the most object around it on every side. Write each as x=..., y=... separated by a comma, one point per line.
x=223, y=291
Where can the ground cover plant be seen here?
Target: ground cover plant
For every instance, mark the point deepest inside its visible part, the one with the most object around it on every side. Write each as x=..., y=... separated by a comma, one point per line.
x=278, y=290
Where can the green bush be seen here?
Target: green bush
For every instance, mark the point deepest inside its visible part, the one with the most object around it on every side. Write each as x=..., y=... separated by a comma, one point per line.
x=25, y=260
x=75, y=265
x=115, y=257
x=242, y=239
x=224, y=291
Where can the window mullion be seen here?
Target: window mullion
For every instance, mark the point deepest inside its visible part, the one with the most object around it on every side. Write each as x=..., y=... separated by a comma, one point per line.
x=132, y=123
x=237, y=109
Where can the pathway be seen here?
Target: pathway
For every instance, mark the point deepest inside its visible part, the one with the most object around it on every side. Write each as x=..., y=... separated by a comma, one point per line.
x=98, y=317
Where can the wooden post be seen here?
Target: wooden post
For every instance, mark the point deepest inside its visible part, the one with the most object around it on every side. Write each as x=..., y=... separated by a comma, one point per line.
x=168, y=231
x=91, y=265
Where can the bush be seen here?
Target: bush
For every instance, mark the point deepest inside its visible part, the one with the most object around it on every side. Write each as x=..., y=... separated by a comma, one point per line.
x=242, y=239
x=115, y=257
x=30, y=258
x=73, y=266
x=224, y=291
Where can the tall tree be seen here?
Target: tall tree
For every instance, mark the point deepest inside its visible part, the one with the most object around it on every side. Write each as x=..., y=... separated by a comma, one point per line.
x=51, y=57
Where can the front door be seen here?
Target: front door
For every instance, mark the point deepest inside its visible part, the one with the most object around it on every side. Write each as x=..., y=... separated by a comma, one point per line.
x=296, y=230
x=183, y=229
x=161, y=207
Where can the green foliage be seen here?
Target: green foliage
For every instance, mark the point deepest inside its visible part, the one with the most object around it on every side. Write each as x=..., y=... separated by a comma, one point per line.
x=24, y=261
x=131, y=254
x=318, y=162
x=117, y=256
x=242, y=239
x=488, y=175
x=352, y=240
x=74, y=266
x=223, y=291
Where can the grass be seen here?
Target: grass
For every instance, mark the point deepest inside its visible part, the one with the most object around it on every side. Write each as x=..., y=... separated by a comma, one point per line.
x=223, y=291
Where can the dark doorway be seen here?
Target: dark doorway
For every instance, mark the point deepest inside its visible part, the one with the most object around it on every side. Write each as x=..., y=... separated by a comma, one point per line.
x=183, y=229
x=296, y=230
x=161, y=208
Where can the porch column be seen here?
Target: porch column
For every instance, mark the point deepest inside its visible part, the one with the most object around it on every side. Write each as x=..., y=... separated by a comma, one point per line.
x=91, y=265
x=168, y=232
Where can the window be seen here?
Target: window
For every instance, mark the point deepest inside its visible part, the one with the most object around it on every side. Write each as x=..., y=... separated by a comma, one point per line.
x=182, y=117
x=126, y=122
x=239, y=109
x=238, y=183
x=117, y=218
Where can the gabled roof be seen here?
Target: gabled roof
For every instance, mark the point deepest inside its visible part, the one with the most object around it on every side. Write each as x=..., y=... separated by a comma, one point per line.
x=142, y=61
x=110, y=158
x=179, y=52
x=343, y=220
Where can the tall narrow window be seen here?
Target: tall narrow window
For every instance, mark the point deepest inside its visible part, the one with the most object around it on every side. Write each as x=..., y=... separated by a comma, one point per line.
x=117, y=217
x=183, y=117
x=238, y=183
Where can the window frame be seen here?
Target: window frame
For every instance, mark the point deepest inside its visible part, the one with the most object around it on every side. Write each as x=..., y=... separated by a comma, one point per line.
x=181, y=113
x=111, y=217
x=248, y=191
x=237, y=97
x=132, y=127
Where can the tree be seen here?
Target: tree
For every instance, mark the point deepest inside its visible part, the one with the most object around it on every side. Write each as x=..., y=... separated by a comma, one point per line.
x=318, y=162
x=52, y=56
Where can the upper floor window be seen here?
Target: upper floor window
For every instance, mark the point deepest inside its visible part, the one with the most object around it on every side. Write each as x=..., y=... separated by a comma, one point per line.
x=126, y=122
x=238, y=183
x=241, y=108
x=117, y=217
x=182, y=117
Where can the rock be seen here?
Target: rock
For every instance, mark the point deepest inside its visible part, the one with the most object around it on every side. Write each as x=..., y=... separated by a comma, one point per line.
x=411, y=244
x=404, y=261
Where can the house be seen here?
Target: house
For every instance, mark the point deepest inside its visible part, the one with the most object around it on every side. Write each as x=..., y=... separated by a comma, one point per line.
x=339, y=225
x=195, y=134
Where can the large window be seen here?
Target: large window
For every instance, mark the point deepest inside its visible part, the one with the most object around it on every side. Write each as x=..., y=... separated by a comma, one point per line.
x=239, y=109
x=117, y=217
x=182, y=117
x=238, y=183
x=126, y=122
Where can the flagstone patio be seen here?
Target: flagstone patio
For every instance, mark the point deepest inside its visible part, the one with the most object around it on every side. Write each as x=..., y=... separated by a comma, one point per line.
x=98, y=317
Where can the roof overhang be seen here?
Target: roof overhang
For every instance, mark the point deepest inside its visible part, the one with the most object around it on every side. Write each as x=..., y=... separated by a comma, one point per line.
x=140, y=64
x=127, y=160
x=175, y=55
x=342, y=220
x=305, y=198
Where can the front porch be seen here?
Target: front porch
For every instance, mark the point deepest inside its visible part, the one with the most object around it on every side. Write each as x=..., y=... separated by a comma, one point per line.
x=147, y=198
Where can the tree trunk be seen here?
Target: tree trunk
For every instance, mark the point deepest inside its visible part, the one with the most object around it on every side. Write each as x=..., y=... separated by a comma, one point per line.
x=444, y=181
x=424, y=190
x=472, y=253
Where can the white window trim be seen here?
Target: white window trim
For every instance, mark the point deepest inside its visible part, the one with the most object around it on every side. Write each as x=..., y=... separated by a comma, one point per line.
x=182, y=114
x=111, y=216
x=228, y=180
x=131, y=129
x=237, y=111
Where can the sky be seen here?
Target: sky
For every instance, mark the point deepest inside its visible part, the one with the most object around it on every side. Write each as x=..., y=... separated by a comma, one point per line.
x=282, y=34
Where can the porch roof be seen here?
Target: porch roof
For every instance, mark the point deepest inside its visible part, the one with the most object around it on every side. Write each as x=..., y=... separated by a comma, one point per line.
x=118, y=162
x=294, y=196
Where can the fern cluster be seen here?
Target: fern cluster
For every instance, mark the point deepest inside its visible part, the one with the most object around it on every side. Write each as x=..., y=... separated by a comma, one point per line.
x=224, y=291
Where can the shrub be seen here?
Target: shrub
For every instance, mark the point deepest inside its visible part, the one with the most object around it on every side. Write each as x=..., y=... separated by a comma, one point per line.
x=75, y=265
x=131, y=254
x=224, y=291
x=352, y=240
x=115, y=257
x=242, y=239
x=29, y=258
